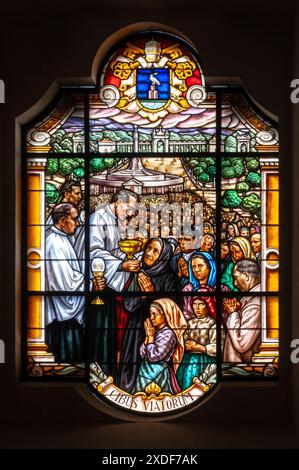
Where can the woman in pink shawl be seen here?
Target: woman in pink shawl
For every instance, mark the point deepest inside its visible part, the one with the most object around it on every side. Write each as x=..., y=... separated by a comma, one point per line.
x=163, y=348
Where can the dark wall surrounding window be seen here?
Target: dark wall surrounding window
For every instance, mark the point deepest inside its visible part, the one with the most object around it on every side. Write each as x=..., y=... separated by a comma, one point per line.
x=42, y=42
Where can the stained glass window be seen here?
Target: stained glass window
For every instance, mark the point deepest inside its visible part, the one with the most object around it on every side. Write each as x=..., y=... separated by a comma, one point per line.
x=150, y=216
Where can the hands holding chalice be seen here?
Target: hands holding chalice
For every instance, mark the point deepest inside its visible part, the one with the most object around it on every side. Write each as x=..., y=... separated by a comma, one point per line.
x=130, y=248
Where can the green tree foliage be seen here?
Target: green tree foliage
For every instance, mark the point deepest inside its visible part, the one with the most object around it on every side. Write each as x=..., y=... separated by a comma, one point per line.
x=95, y=136
x=78, y=173
x=203, y=168
x=67, y=145
x=252, y=142
x=51, y=194
x=79, y=162
x=239, y=169
x=66, y=166
x=225, y=162
x=228, y=172
x=231, y=199
x=252, y=164
x=93, y=146
x=251, y=203
x=230, y=144
x=193, y=162
x=97, y=165
x=56, y=148
x=71, y=167
x=253, y=179
x=200, y=168
x=62, y=141
x=52, y=166
x=74, y=167
x=204, y=178
x=174, y=136
x=109, y=162
x=124, y=136
x=58, y=136
x=232, y=167
x=145, y=137
x=211, y=171
x=210, y=161
x=242, y=187
x=117, y=136
x=201, y=137
x=101, y=164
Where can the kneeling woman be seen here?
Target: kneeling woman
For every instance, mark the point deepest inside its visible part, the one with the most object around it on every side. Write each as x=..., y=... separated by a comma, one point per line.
x=163, y=347
x=155, y=276
x=200, y=342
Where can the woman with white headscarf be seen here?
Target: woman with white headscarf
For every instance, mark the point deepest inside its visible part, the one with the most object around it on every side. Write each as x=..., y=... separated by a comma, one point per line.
x=163, y=348
x=240, y=248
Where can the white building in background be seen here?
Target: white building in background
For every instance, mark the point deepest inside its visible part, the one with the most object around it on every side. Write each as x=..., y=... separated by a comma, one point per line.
x=78, y=144
x=160, y=142
x=106, y=146
x=136, y=178
x=243, y=143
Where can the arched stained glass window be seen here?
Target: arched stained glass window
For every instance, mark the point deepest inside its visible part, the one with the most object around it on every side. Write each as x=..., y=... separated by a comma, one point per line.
x=151, y=222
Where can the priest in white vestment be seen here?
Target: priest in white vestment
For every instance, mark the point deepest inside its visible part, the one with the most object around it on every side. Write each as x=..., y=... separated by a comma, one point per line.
x=105, y=235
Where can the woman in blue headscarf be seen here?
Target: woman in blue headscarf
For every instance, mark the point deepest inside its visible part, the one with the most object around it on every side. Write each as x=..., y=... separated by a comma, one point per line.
x=202, y=278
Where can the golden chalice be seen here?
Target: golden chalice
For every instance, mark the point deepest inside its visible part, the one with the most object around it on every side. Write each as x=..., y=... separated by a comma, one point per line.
x=98, y=269
x=130, y=247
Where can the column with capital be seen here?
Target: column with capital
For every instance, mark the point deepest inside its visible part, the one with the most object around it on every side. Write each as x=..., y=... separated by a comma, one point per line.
x=37, y=349
x=269, y=349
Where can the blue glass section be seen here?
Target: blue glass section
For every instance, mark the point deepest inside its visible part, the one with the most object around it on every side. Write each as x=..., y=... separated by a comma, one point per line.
x=159, y=78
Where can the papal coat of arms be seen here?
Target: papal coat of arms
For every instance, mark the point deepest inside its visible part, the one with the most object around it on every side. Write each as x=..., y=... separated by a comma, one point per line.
x=152, y=79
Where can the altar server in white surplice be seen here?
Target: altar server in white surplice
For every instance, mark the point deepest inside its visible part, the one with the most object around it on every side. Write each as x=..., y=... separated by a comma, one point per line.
x=64, y=313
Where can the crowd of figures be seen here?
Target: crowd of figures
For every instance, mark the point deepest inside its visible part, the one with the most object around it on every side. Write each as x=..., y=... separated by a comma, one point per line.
x=159, y=323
